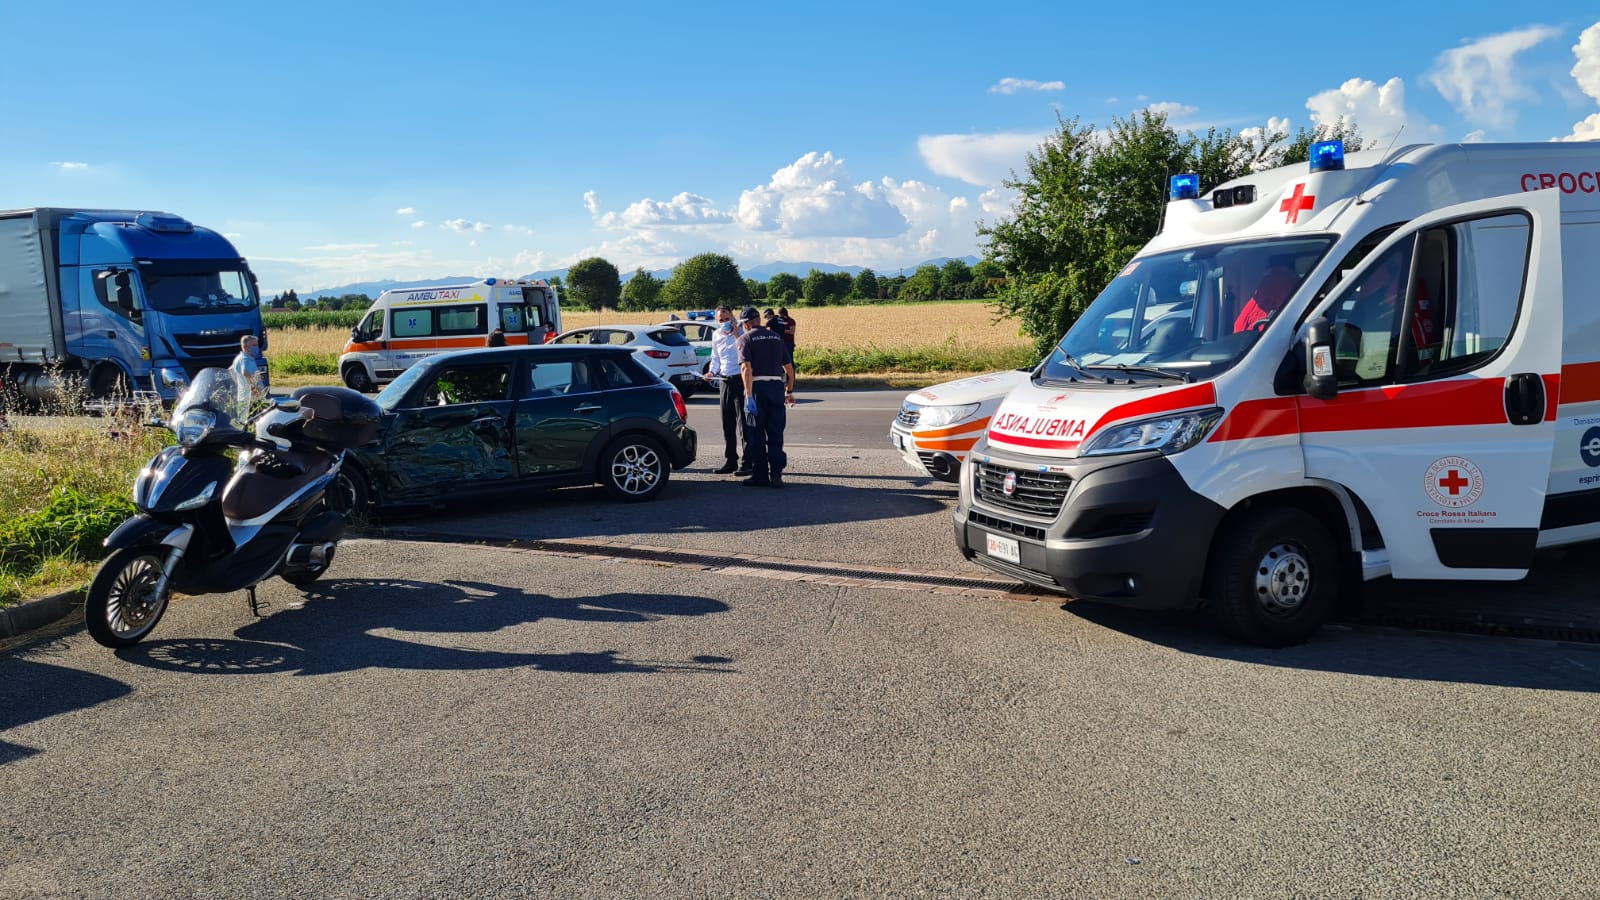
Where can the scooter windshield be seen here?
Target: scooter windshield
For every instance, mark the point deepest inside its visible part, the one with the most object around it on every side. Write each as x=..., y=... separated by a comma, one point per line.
x=216, y=391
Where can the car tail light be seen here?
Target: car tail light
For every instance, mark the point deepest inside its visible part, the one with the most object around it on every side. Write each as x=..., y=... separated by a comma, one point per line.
x=657, y=354
x=677, y=403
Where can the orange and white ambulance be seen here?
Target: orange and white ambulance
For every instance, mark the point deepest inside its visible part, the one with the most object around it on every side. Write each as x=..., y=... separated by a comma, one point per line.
x=405, y=325
x=937, y=425
x=1380, y=365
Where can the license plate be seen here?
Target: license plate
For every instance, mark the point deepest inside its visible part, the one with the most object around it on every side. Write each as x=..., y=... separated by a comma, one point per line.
x=1004, y=548
x=898, y=441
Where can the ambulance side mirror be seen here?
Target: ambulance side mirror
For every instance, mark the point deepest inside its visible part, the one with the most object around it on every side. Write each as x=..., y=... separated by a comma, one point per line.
x=1320, y=381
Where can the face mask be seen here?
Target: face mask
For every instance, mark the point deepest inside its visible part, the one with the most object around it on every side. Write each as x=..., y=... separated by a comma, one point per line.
x=727, y=327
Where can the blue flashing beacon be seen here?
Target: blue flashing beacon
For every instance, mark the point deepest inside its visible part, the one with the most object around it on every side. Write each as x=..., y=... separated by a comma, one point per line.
x=1327, y=156
x=1185, y=187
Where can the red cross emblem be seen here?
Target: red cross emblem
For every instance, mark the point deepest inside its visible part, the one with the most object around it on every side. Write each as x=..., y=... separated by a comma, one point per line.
x=1454, y=482
x=1298, y=201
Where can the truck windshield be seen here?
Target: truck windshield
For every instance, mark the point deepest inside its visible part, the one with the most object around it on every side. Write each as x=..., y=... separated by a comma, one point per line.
x=198, y=291
x=1184, y=315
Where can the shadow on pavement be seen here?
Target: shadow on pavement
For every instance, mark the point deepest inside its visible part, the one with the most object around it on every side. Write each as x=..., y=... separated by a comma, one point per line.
x=699, y=506
x=1467, y=659
x=336, y=630
x=32, y=690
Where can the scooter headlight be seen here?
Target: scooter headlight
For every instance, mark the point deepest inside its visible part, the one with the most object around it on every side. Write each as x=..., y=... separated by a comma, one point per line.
x=194, y=425
x=1168, y=434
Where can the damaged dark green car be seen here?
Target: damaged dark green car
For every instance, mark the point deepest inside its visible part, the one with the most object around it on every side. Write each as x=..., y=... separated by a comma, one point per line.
x=485, y=421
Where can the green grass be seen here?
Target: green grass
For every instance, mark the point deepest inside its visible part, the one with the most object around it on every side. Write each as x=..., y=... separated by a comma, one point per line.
x=305, y=364
x=313, y=318
x=62, y=490
x=872, y=360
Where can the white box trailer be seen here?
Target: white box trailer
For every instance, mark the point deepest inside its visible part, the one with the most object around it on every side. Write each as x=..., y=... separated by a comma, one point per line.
x=1386, y=365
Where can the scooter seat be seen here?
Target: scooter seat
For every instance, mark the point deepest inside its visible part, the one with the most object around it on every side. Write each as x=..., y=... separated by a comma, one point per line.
x=258, y=486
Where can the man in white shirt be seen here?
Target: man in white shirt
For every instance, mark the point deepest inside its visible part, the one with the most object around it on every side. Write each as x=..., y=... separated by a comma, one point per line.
x=249, y=372
x=730, y=387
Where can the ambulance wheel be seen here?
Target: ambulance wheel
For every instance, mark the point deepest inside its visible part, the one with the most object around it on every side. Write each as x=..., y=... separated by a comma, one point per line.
x=357, y=379
x=1274, y=578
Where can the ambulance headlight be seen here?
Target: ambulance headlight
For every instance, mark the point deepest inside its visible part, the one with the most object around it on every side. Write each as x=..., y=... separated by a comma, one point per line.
x=1167, y=434
x=940, y=416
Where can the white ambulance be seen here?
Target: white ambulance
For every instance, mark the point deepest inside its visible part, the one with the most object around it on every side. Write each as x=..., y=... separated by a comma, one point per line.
x=938, y=425
x=405, y=325
x=1386, y=365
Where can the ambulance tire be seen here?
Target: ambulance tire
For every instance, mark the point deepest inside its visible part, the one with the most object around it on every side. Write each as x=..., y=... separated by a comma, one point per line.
x=1274, y=577
x=357, y=379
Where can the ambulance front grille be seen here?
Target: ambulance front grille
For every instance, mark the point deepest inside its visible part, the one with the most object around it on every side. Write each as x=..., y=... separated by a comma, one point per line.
x=909, y=416
x=1039, y=494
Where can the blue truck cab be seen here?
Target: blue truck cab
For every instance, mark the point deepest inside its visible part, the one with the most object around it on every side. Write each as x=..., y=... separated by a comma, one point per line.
x=125, y=301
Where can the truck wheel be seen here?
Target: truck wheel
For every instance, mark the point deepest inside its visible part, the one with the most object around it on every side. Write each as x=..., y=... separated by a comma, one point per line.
x=109, y=382
x=634, y=467
x=357, y=379
x=1274, y=578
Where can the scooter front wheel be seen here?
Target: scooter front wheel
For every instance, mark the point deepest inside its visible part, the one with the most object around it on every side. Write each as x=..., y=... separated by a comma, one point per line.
x=123, y=604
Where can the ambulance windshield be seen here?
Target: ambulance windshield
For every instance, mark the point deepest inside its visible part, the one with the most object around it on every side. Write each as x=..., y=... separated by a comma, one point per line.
x=1185, y=315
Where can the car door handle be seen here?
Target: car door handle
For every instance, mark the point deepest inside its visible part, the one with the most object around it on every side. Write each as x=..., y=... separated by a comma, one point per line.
x=587, y=408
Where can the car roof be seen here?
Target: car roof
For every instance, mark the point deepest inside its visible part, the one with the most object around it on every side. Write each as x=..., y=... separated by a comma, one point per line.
x=534, y=353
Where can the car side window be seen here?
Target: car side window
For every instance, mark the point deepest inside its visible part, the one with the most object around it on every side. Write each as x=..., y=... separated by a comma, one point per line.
x=669, y=337
x=549, y=379
x=468, y=384
x=576, y=337
x=614, y=375
x=618, y=338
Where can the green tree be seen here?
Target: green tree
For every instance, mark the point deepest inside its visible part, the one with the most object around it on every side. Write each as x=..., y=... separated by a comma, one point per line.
x=785, y=287
x=560, y=289
x=987, y=278
x=642, y=292
x=865, y=285
x=821, y=288
x=594, y=283
x=757, y=289
x=704, y=281
x=1086, y=205
x=955, y=280
x=922, y=285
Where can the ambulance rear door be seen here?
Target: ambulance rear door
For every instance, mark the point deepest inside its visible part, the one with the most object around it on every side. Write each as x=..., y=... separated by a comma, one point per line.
x=1444, y=422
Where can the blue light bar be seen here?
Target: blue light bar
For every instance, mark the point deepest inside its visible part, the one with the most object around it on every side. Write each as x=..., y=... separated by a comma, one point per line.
x=1327, y=156
x=1185, y=187
x=489, y=281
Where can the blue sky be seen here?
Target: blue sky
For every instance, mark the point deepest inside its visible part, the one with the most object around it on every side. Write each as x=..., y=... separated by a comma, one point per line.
x=338, y=142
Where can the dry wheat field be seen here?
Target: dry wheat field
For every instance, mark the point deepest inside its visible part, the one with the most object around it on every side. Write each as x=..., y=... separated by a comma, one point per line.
x=971, y=326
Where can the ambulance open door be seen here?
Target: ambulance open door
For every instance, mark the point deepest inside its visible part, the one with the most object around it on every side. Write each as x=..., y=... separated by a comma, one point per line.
x=1447, y=350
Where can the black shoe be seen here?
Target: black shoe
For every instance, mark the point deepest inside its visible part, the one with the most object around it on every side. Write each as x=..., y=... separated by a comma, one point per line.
x=743, y=472
x=727, y=469
x=756, y=482
x=777, y=479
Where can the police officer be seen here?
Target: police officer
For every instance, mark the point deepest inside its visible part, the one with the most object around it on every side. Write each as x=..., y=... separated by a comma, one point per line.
x=768, y=372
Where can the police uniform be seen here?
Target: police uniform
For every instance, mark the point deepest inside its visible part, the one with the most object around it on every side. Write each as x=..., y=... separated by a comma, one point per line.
x=769, y=364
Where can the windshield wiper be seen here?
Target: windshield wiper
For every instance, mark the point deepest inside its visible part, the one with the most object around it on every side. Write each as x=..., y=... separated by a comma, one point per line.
x=1150, y=370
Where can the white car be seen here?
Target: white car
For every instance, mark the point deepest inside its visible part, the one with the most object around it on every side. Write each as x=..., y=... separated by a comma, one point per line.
x=699, y=335
x=663, y=350
x=938, y=425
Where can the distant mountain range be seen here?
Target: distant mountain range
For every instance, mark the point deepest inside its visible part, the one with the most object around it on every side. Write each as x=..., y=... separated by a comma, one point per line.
x=763, y=272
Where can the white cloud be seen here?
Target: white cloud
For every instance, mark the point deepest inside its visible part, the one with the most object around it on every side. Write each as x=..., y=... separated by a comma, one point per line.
x=1377, y=111
x=1112, y=100
x=1476, y=136
x=406, y=211
x=591, y=202
x=1172, y=110
x=419, y=224
x=517, y=229
x=1480, y=78
x=812, y=198
x=1013, y=85
x=340, y=248
x=70, y=166
x=1586, y=130
x=1586, y=72
x=986, y=160
x=461, y=226
x=682, y=210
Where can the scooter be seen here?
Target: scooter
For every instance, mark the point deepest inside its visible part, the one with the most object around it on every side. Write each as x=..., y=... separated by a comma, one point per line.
x=207, y=525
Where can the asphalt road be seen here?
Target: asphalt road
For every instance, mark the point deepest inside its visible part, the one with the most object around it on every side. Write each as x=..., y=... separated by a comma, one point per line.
x=465, y=719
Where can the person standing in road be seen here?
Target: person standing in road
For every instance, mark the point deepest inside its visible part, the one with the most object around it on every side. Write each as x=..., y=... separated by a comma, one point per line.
x=730, y=391
x=249, y=371
x=788, y=328
x=768, y=373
